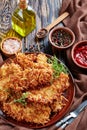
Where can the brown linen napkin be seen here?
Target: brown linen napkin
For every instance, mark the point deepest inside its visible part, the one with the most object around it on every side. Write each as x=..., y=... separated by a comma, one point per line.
x=77, y=21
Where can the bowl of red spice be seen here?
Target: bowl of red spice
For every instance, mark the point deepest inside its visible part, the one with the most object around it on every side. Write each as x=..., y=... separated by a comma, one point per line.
x=11, y=46
x=61, y=38
x=79, y=54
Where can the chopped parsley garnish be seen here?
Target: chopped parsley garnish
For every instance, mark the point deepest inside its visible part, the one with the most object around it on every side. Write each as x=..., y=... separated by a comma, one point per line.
x=22, y=99
x=57, y=67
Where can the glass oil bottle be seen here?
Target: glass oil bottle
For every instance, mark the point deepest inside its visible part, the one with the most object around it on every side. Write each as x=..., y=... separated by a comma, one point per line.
x=23, y=19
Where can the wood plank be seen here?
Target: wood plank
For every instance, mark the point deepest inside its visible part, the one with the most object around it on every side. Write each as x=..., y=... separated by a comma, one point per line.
x=46, y=12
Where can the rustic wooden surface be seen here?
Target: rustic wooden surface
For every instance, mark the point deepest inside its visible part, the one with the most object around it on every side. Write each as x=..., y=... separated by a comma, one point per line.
x=46, y=12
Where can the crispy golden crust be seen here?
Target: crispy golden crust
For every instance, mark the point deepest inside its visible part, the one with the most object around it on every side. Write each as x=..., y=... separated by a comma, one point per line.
x=25, y=73
x=34, y=112
x=31, y=75
x=58, y=104
x=51, y=92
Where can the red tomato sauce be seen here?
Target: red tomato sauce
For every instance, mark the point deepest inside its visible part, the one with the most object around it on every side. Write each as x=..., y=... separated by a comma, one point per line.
x=80, y=55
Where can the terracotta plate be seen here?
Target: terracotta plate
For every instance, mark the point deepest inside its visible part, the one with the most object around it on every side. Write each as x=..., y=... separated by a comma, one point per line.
x=69, y=94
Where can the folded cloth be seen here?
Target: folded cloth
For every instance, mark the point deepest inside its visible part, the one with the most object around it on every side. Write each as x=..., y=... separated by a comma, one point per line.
x=77, y=22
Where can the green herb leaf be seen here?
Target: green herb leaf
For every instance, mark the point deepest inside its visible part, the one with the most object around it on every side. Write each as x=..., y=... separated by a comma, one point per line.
x=22, y=99
x=57, y=67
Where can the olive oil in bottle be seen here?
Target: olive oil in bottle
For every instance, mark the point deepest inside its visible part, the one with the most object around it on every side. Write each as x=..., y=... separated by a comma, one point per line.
x=23, y=19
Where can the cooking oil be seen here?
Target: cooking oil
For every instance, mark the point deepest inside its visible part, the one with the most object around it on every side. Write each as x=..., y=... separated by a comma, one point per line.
x=23, y=19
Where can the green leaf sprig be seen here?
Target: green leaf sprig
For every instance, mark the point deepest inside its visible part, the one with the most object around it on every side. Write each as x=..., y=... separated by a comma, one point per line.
x=22, y=99
x=57, y=67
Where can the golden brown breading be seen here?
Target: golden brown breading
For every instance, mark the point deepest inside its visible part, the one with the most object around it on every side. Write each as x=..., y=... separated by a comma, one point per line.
x=41, y=58
x=3, y=89
x=28, y=90
x=9, y=69
x=23, y=61
x=44, y=95
x=62, y=83
x=29, y=78
x=51, y=92
x=33, y=76
x=34, y=112
x=39, y=77
x=59, y=103
x=3, y=96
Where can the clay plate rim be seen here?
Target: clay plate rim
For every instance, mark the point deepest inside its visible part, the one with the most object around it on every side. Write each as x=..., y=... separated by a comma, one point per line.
x=56, y=117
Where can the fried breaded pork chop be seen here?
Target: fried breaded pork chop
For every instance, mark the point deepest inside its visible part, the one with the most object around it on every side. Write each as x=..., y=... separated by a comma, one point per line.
x=28, y=90
x=51, y=92
x=27, y=72
x=33, y=112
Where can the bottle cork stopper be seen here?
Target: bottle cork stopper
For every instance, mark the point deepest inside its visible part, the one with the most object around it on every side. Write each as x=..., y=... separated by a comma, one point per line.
x=23, y=4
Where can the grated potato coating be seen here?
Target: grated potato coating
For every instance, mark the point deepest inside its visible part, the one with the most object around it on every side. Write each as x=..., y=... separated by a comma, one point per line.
x=28, y=90
x=25, y=74
x=34, y=112
x=58, y=104
x=51, y=92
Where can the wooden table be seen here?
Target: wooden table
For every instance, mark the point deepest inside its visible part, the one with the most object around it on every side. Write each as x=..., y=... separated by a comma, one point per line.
x=46, y=12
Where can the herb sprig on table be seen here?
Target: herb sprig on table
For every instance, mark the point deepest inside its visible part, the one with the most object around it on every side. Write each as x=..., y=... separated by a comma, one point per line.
x=22, y=99
x=57, y=67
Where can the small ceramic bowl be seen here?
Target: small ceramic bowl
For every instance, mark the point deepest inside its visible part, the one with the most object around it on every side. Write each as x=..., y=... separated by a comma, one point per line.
x=61, y=38
x=79, y=54
x=11, y=46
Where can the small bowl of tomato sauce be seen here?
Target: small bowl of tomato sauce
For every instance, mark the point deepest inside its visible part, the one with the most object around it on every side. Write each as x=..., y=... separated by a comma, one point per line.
x=11, y=46
x=79, y=54
x=61, y=38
